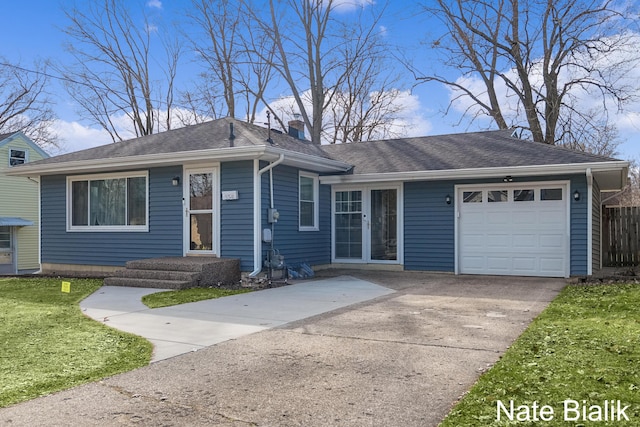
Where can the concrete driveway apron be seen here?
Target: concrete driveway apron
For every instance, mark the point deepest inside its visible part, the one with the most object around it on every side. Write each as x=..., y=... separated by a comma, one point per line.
x=401, y=359
x=190, y=327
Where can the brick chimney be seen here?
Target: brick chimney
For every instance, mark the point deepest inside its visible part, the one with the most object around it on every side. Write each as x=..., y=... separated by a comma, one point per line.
x=296, y=129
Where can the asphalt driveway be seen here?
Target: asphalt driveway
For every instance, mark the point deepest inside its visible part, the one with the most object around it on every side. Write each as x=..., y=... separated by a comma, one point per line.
x=401, y=359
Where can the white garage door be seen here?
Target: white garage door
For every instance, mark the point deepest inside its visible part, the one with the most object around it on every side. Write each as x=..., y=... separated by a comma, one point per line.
x=513, y=230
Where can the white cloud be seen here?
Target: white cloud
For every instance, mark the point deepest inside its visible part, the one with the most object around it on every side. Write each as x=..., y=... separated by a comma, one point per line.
x=157, y=4
x=349, y=5
x=76, y=136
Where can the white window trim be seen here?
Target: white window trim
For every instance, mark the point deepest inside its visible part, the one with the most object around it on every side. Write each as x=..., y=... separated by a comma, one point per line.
x=107, y=228
x=316, y=202
x=26, y=155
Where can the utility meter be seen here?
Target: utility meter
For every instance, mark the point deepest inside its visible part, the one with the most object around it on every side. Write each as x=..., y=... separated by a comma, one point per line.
x=273, y=215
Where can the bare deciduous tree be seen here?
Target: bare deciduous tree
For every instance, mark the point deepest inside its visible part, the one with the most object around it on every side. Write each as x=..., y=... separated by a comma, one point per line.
x=234, y=79
x=319, y=57
x=115, y=72
x=533, y=58
x=25, y=105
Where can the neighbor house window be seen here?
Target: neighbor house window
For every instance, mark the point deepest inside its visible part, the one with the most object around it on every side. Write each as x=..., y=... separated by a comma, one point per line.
x=308, y=202
x=17, y=157
x=108, y=202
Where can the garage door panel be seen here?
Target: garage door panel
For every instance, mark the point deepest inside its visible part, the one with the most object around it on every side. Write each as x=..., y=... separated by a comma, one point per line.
x=514, y=237
x=498, y=264
x=524, y=241
x=552, y=241
x=499, y=242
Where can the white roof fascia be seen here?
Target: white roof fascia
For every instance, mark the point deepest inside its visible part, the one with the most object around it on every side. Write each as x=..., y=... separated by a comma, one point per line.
x=534, y=170
x=310, y=162
x=138, y=162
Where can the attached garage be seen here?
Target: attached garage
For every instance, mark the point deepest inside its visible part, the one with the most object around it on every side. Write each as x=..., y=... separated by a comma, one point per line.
x=513, y=229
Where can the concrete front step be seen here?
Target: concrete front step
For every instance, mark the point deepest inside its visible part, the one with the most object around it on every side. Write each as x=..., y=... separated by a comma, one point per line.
x=146, y=283
x=177, y=273
x=184, y=276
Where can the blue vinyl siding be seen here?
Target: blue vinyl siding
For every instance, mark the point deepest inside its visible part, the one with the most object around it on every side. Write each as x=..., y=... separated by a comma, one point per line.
x=429, y=223
x=164, y=237
x=313, y=247
x=428, y=226
x=236, y=216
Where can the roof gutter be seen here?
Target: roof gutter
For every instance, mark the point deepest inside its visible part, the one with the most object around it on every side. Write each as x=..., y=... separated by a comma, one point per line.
x=534, y=170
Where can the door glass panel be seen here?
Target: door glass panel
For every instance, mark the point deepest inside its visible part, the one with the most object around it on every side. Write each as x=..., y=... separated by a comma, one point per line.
x=201, y=232
x=348, y=224
x=200, y=211
x=551, y=194
x=472, y=197
x=200, y=191
x=384, y=226
x=523, y=195
x=497, y=196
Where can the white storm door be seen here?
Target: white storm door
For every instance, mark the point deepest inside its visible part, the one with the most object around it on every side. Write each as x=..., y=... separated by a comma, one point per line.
x=200, y=207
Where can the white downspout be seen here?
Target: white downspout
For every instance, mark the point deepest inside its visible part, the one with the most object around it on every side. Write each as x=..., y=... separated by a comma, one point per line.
x=589, y=222
x=257, y=211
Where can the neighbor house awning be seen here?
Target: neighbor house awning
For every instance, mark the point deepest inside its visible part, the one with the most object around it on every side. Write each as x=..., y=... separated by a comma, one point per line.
x=9, y=221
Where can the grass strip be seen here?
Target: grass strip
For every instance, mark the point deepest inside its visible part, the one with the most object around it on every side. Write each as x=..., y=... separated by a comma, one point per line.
x=584, y=347
x=169, y=298
x=49, y=345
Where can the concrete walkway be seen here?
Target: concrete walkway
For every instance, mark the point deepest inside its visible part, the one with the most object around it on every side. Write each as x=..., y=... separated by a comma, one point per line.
x=190, y=327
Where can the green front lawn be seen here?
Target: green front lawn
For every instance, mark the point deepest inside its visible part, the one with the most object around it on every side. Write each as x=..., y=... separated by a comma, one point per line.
x=168, y=298
x=47, y=344
x=580, y=354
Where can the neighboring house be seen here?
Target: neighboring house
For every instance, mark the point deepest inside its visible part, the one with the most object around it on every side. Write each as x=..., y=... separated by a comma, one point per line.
x=19, y=220
x=475, y=203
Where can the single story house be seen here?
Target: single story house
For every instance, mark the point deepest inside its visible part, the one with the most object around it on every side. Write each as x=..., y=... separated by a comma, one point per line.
x=470, y=203
x=19, y=215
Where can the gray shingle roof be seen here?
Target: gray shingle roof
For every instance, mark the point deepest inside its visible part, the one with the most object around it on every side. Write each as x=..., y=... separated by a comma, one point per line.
x=455, y=151
x=209, y=135
x=429, y=153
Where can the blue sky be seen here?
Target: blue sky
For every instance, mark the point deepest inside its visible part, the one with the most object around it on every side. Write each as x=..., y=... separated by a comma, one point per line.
x=32, y=30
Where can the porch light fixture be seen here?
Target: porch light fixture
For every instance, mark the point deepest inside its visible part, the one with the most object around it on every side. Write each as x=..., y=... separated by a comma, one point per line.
x=175, y=181
x=576, y=195
x=448, y=199
x=508, y=178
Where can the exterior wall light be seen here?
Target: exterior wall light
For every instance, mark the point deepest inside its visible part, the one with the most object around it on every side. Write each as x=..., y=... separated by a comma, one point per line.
x=507, y=178
x=448, y=199
x=576, y=195
x=175, y=181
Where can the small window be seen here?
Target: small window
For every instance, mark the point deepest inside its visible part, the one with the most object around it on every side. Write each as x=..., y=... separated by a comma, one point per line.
x=5, y=238
x=523, y=195
x=308, y=202
x=472, y=197
x=498, y=196
x=551, y=194
x=17, y=157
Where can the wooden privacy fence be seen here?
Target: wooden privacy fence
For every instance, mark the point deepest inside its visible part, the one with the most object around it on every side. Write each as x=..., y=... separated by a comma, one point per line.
x=620, y=245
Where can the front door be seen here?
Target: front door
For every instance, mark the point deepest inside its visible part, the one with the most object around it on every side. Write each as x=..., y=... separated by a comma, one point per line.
x=199, y=186
x=366, y=225
x=6, y=251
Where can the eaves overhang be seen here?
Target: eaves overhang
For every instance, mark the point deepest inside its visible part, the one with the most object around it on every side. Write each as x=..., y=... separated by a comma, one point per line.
x=615, y=173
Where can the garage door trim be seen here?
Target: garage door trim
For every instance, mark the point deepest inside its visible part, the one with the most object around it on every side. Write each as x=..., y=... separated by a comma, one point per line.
x=459, y=189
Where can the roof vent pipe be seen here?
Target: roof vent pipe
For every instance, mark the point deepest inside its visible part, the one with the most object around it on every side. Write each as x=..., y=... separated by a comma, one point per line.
x=231, y=135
